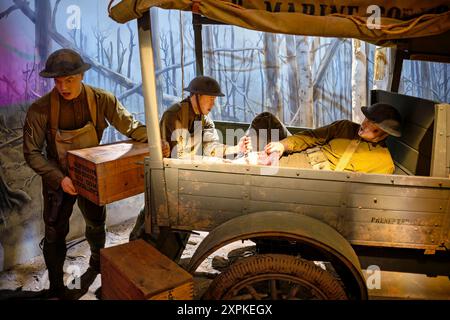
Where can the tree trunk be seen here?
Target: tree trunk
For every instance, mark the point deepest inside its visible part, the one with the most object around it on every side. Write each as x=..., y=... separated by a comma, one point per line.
x=445, y=94
x=425, y=80
x=305, y=95
x=417, y=80
x=131, y=46
x=233, y=73
x=172, y=57
x=319, y=79
x=273, y=101
x=42, y=39
x=359, y=79
x=261, y=81
x=216, y=40
x=325, y=63
x=293, y=83
x=208, y=51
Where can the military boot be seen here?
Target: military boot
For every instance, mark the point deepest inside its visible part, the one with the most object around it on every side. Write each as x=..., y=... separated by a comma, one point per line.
x=54, y=256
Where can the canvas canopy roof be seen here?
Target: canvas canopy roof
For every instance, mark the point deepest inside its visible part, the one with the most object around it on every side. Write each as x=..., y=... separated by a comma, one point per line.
x=400, y=19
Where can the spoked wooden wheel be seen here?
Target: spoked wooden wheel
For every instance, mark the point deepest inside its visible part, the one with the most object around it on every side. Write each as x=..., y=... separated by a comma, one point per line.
x=274, y=277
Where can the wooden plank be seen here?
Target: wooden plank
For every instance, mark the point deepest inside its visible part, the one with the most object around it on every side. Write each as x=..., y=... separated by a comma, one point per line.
x=399, y=191
x=171, y=176
x=392, y=234
x=445, y=237
x=295, y=196
x=297, y=184
x=150, y=221
x=414, y=181
x=394, y=203
x=447, y=144
x=447, y=165
x=159, y=197
x=206, y=219
x=202, y=202
x=235, y=170
x=211, y=189
x=439, y=155
x=418, y=138
x=213, y=177
x=410, y=158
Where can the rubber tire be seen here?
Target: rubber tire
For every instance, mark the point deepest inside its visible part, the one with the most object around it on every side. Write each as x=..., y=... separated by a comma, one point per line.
x=279, y=264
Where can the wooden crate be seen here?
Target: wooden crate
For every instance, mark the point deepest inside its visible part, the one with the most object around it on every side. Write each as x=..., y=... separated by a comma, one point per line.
x=138, y=271
x=108, y=172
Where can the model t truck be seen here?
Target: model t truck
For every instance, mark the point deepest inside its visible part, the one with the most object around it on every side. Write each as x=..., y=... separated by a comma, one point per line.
x=399, y=222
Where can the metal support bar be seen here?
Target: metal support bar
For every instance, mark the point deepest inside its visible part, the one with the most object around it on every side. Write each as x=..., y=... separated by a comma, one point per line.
x=400, y=55
x=197, y=24
x=155, y=160
x=149, y=90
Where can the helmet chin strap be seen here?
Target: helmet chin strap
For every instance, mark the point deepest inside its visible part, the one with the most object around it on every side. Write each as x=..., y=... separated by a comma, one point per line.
x=198, y=103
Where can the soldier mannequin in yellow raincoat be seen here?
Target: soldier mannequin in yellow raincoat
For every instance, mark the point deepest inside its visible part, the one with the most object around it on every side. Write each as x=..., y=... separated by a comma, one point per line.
x=344, y=145
x=72, y=116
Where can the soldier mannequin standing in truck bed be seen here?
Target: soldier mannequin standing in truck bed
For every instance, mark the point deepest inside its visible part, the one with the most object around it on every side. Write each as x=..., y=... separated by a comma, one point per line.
x=190, y=132
x=179, y=123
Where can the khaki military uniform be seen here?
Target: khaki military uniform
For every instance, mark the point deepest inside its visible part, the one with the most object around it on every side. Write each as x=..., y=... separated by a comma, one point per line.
x=191, y=134
x=333, y=141
x=74, y=116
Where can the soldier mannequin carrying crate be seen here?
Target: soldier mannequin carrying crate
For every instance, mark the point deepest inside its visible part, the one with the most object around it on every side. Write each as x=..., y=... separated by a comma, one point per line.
x=72, y=116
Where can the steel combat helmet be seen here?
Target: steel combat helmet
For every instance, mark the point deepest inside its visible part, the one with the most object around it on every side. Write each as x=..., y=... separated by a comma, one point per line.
x=384, y=116
x=63, y=63
x=204, y=85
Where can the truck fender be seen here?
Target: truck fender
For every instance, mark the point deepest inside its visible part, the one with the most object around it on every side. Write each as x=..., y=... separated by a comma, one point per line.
x=291, y=226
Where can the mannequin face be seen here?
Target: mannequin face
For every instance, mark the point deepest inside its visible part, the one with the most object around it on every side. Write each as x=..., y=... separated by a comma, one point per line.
x=369, y=131
x=69, y=87
x=206, y=103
